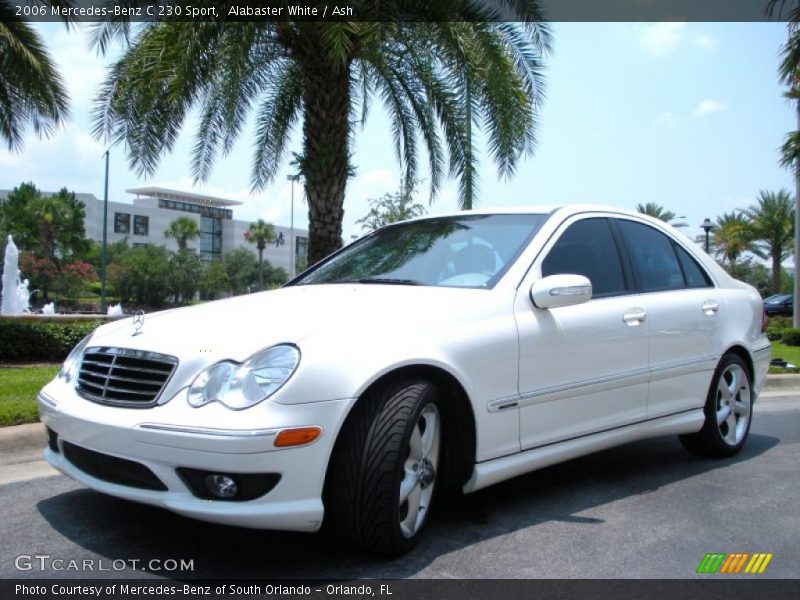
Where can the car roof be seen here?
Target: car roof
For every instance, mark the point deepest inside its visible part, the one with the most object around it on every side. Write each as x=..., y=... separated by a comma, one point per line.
x=564, y=210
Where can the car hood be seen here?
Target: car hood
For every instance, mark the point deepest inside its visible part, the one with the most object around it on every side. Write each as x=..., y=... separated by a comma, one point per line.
x=237, y=327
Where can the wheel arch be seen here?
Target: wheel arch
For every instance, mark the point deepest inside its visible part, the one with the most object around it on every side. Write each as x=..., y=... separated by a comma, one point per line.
x=742, y=352
x=459, y=422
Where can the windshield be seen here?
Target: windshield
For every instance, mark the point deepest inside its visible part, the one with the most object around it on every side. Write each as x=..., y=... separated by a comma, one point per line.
x=778, y=299
x=463, y=251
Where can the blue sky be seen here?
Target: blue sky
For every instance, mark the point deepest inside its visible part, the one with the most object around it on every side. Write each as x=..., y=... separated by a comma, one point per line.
x=688, y=115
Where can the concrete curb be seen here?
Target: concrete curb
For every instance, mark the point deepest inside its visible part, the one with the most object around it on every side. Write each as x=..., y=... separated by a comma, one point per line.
x=21, y=448
x=782, y=383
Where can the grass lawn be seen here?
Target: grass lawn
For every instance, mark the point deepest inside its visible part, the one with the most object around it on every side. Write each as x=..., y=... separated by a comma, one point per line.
x=790, y=354
x=18, y=387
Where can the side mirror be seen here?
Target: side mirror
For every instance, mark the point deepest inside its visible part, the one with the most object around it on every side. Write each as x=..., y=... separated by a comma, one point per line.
x=561, y=290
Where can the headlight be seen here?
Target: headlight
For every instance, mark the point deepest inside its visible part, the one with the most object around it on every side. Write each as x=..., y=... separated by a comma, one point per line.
x=69, y=370
x=240, y=386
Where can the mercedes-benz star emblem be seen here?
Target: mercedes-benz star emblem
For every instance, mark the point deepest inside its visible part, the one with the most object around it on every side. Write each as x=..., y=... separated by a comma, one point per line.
x=138, y=322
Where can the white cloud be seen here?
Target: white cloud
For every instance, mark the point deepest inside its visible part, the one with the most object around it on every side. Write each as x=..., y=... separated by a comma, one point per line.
x=70, y=158
x=661, y=39
x=666, y=119
x=703, y=40
x=709, y=106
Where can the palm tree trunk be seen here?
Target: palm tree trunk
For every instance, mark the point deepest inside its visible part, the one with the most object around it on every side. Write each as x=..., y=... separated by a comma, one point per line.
x=776, y=274
x=260, y=269
x=326, y=148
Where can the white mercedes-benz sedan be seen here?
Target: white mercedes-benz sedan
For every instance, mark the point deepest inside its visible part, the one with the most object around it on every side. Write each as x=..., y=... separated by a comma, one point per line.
x=443, y=353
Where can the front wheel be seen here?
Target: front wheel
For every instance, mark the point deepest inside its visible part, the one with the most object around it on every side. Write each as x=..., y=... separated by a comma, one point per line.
x=728, y=410
x=385, y=467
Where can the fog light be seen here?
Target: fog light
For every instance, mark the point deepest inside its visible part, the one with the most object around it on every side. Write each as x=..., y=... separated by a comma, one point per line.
x=221, y=486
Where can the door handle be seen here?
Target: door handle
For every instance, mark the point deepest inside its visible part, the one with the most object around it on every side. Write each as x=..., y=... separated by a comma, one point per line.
x=634, y=316
x=710, y=307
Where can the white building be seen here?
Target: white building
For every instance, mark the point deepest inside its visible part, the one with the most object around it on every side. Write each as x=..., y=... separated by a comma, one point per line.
x=144, y=220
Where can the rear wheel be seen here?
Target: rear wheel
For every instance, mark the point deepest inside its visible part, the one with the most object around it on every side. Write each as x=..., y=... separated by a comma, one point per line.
x=385, y=467
x=728, y=410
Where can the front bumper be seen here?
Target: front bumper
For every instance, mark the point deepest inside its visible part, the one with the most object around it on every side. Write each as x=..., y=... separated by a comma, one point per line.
x=212, y=438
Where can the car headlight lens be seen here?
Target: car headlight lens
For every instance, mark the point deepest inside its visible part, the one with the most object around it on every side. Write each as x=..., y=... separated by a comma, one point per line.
x=239, y=386
x=69, y=370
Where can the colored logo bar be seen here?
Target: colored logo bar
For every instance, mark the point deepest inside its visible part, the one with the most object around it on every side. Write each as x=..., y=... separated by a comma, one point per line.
x=735, y=563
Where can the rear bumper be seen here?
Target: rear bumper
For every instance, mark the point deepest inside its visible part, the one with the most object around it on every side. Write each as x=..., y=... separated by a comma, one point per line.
x=165, y=438
x=761, y=353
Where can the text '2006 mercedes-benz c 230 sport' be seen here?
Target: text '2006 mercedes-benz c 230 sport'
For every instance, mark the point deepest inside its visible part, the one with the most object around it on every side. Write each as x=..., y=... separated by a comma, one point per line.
x=441, y=353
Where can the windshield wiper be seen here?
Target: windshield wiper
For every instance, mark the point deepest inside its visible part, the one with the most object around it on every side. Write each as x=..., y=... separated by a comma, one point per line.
x=390, y=281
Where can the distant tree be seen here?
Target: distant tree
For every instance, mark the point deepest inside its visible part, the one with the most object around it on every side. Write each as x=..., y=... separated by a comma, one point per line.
x=276, y=277
x=215, y=280
x=260, y=233
x=32, y=92
x=182, y=230
x=50, y=226
x=241, y=265
x=651, y=209
x=142, y=274
x=732, y=236
x=40, y=272
x=391, y=208
x=74, y=278
x=186, y=271
x=760, y=277
x=772, y=227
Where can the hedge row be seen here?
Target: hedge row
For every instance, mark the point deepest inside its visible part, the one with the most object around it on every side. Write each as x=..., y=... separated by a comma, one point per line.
x=40, y=341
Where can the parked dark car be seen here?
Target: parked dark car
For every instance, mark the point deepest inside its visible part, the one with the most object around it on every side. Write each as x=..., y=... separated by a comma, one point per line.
x=779, y=305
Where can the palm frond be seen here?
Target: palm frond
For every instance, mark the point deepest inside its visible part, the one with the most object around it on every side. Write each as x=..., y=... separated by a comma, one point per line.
x=32, y=93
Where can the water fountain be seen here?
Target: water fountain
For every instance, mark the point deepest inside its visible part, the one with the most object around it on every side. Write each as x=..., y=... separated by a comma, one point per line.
x=15, y=297
x=15, y=294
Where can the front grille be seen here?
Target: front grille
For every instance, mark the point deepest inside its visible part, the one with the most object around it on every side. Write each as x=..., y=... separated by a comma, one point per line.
x=112, y=469
x=124, y=377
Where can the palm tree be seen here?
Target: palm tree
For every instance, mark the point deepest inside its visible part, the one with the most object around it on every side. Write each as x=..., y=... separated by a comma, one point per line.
x=651, y=209
x=260, y=233
x=326, y=75
x=31, y=89
x=732, y=236
x=182, y=230
x=772, y=229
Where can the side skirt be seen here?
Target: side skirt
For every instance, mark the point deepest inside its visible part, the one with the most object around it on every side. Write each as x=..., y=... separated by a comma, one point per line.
x=499, y=469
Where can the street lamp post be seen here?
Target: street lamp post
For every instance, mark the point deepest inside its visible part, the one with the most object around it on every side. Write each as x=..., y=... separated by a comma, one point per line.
x=707, y=226
x=796, y=309
x=292, y=267
x=104, y=248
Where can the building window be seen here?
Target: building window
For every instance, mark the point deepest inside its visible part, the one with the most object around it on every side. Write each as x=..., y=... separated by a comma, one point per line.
x=122, y=223
x=205, y=211
x=210, y=238
x=141, y=225
x=301, y=246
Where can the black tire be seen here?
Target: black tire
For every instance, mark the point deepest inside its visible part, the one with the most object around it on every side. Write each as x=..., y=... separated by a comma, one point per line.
x=368, y=464
x=711, y=439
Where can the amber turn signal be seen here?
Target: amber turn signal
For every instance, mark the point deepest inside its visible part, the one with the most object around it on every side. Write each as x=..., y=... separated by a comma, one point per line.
x=297, y=437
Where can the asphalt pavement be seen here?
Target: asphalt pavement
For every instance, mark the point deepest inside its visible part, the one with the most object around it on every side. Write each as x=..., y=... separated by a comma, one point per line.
x=643, y=510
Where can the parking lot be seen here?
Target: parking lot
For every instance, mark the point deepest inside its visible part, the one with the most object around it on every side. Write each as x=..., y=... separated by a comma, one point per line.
x=644, y=510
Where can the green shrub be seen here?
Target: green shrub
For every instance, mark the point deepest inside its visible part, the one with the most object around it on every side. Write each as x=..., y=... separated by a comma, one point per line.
x=774, y=334
x=41, y=341
x=776, y=326
x=791, y=337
